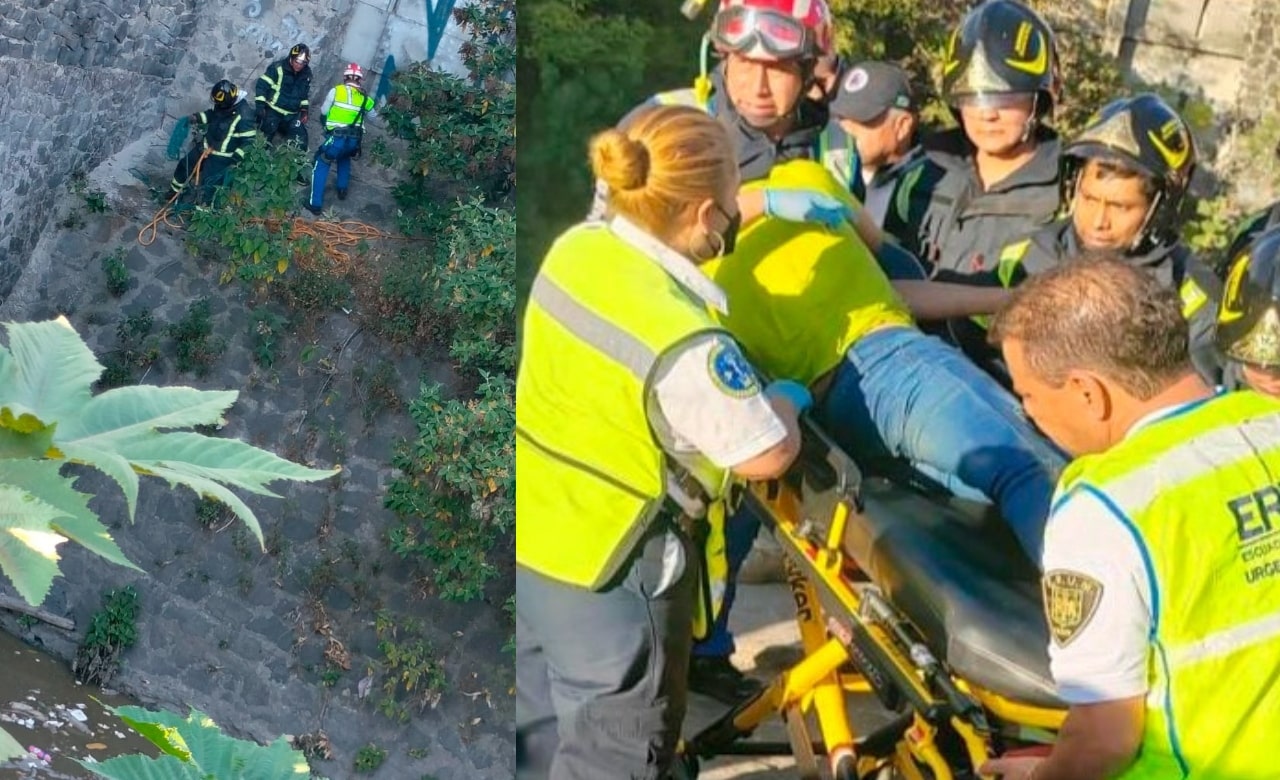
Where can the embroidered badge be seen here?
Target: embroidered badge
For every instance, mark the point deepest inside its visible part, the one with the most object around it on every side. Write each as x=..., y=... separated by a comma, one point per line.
x=1070, y=601
x=856, y=80
x=730, y=371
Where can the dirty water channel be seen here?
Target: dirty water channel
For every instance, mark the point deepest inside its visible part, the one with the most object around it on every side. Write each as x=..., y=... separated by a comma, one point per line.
x=41, y=706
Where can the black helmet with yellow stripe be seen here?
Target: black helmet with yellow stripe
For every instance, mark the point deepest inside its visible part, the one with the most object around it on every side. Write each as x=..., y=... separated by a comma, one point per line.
x=1002, y=46
x=1145, y=134
x=1249, y=315
x=224, y=94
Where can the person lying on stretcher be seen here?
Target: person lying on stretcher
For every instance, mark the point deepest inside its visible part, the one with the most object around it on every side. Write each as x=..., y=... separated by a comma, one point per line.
x=807, y=300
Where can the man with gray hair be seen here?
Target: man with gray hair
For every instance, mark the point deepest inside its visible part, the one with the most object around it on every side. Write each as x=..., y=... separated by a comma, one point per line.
x=1161, y=572
x=874, y=104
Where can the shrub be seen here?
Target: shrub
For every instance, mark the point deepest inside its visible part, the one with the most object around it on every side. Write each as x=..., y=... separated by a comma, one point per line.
x=455, y=494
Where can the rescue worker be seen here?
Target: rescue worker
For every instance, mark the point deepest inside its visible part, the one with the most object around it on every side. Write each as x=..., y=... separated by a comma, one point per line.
x=227, y=131
x=1248, y=323
x=634, y=410
x=809, y=303
x=343, y=112
x=874, y=105
x=1251, y=228
x=770, y=53
x=282, y=94
x=1125, y=177
x=996, y=175
x=1161, y=583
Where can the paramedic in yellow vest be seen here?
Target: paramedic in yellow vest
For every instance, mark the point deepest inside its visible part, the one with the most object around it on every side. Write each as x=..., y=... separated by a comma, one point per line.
x=633, y=410
x=343, y=112
x=1161, y=567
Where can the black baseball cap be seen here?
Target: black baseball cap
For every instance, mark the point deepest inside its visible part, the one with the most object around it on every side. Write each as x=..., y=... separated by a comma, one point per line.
x=868, y=89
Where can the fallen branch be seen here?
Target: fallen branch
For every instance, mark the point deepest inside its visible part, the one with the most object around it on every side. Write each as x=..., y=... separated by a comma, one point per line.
x=17, y=605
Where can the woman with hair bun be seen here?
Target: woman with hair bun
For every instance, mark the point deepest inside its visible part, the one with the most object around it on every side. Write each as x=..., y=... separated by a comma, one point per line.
x=635, y=413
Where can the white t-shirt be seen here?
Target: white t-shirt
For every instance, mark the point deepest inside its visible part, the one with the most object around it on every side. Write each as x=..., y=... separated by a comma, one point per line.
x=1097, y=598
x=711, y=403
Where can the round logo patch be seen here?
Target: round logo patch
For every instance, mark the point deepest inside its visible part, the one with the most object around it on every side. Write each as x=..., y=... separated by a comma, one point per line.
x=730, y=371
x=856, y=80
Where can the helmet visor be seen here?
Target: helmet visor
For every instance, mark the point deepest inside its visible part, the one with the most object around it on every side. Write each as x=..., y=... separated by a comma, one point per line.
x=747, y=30
x=996, y=100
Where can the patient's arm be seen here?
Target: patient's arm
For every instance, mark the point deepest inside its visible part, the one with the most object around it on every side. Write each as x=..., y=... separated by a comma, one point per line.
x=944, y=300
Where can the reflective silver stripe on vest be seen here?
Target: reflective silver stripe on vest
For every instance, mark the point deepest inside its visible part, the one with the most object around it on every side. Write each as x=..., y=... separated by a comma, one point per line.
x=593, y=329
x=1225, y=642
x=1195, y=457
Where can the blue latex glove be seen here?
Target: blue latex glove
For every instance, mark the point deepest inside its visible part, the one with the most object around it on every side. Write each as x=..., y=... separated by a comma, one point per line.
x=805, y=206
x=793, y=391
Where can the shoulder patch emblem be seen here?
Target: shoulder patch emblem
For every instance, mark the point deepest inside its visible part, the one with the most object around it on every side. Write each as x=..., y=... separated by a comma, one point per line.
x=1070, y=601
x=730, y=371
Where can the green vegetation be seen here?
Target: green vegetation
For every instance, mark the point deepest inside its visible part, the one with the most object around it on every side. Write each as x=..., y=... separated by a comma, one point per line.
x=195, y=346
x=117, y=274
x=369, y=758
x=111, y=631
x=194, y=748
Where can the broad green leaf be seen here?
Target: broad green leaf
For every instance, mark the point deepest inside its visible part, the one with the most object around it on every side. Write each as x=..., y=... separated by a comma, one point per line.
x=42, y=478
x=14, y=444
x=144, y=768
x=28, y=546
x=125, y=412
x=229, y=461
x=52, y=369
x=111, y=464
x=9, y=747
x=207, y=487
x=160, y=728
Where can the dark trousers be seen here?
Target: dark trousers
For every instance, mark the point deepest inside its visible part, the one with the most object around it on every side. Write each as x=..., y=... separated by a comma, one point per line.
x=275, y=124
x=601, y=675
x=214, y=171
x=337, y=151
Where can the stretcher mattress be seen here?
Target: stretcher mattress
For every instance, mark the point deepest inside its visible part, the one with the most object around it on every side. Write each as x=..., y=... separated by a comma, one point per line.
x=957, y=572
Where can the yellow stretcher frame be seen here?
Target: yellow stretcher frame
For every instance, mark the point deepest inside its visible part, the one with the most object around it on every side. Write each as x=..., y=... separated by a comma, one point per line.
x=854, y=640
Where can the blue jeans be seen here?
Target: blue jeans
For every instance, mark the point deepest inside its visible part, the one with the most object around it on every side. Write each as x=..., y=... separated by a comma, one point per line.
x=902, y=395
x=337, y=149
x=739, y=535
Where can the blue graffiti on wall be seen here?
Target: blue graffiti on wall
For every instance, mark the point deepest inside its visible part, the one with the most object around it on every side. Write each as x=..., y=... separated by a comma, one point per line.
x=438, y=13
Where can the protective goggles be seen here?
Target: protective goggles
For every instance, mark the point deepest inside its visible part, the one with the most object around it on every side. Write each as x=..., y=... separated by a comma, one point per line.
x=742, y=29
x=996, y=100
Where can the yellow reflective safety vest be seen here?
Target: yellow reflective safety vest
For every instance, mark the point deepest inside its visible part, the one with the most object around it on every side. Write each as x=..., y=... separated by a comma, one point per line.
x=803, y=294
x=349, y=107
x=1198, y=490
x=601, y=319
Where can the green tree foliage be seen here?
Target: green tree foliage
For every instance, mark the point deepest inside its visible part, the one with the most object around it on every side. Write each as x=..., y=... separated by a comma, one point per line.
x=459, y=130
x=247, y=225
x=583, y=65
x=455, y=499
x=194, y=748
x=49, y=418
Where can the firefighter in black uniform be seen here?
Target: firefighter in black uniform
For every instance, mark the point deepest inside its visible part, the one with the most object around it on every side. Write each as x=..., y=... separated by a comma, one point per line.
x=227, y=129
x=1124, y=177
x=996, y=175
x=281, y=103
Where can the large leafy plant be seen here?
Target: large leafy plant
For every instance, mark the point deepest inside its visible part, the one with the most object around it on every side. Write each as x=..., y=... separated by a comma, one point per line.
x=49, y=418
x=194, y=748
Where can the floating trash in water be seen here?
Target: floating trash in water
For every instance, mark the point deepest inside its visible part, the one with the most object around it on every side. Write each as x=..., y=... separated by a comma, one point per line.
x=78, y=715
x=96, y=746
x=40, y=754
